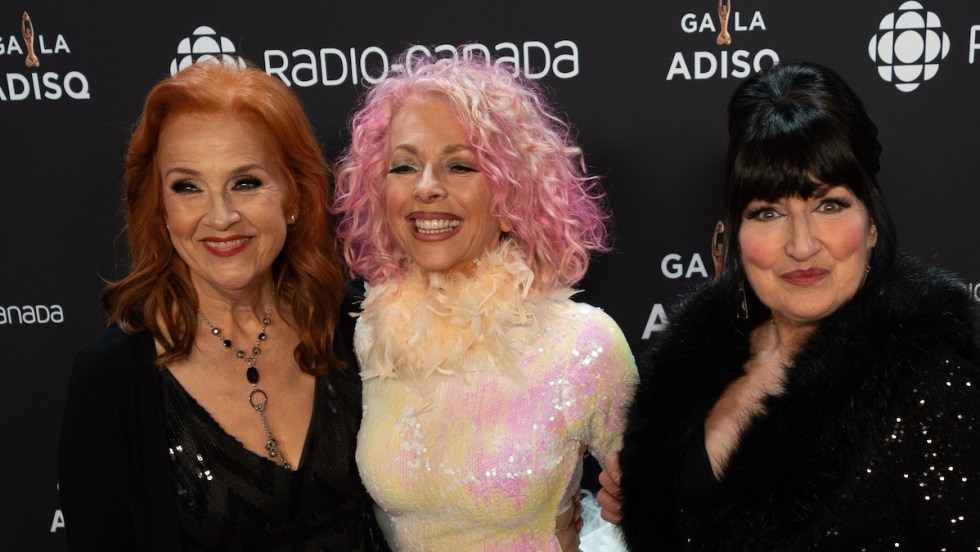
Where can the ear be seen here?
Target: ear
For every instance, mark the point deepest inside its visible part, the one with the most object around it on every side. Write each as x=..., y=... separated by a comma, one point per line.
x=872, y=235
x=505, y=225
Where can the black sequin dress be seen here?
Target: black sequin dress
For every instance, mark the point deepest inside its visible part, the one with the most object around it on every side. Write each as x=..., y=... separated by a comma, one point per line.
x=232, y=499
x=121, y=489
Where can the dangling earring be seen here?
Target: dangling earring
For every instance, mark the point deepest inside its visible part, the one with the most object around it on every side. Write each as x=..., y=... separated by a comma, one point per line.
x=718, y=248
x=742, y=308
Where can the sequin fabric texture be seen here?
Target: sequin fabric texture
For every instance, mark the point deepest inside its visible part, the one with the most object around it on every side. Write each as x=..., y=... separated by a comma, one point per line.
x=871, y=443
x=232, y=499
x=485, y=461
x=930, y=459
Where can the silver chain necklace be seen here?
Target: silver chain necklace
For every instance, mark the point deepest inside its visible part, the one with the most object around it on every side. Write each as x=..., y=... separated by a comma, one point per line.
x=258, y=398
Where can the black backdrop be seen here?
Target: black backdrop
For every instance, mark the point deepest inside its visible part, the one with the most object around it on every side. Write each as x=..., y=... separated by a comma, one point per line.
x=644, y=84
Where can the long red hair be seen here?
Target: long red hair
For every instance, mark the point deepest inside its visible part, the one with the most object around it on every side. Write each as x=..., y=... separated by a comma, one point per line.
x=157, y=295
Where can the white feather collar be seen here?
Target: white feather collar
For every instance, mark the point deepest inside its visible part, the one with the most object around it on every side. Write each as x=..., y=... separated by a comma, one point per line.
x=450, y=323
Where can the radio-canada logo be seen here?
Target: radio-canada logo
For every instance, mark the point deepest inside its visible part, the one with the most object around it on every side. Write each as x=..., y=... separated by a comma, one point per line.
x=205, y=45
x=908, y=46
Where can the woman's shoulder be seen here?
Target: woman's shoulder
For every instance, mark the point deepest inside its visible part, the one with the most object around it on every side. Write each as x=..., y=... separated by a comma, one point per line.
x=914, y=288
x=583, y=312
x=697, y=324
x=588, y=321
x=115, y=352
x=914, y=307
x=595, y=343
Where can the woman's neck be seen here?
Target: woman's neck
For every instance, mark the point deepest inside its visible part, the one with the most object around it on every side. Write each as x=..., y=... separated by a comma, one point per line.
x=235, y=311
x=782, y=337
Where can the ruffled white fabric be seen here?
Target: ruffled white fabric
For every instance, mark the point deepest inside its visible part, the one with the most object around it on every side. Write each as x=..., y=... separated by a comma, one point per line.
x=598, y=535
x=451, y=323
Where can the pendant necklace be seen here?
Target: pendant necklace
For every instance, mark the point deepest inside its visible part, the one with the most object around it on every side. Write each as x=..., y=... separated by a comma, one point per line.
x=258, y=398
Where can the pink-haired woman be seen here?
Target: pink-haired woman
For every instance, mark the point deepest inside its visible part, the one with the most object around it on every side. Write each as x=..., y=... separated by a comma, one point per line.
x=467, y=210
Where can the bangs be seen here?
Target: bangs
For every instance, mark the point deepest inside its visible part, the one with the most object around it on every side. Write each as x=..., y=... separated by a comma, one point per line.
x=796, y=129
x=794, y=162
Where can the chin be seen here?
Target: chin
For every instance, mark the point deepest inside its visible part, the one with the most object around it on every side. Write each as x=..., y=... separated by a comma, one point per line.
x=808, y=316
x=235, y=283
x=435, y=264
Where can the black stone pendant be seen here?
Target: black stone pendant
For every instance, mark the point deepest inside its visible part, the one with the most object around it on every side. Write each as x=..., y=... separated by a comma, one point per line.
x=252, y=375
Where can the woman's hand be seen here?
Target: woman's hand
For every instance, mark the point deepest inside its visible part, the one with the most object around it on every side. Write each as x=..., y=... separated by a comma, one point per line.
x=608, y=497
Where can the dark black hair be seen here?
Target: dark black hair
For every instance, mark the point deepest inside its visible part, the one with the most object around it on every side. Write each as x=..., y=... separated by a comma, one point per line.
x=787, y=125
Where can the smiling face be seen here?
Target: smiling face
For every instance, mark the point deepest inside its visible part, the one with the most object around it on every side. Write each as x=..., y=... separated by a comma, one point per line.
x=437, y=199
x=804, y=258
x=223, y=195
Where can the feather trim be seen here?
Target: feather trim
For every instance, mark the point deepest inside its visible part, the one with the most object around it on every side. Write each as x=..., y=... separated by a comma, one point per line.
x=450, y=323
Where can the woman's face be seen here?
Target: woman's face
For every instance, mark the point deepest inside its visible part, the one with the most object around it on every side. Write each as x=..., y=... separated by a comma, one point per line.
x=223, y=195
x=804, y=258
x=437, y=200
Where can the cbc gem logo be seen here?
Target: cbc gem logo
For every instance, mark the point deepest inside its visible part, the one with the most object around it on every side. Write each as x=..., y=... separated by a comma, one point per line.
x=205, y=45
x=908, y=46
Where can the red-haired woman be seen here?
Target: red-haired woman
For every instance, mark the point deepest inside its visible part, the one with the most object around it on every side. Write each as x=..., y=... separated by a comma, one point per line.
x=219, y=410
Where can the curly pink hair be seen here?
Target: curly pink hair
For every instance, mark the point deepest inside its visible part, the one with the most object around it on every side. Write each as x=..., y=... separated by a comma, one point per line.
x=537, y=176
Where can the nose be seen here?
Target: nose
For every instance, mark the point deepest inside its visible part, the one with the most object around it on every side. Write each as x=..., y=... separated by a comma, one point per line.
x=429, y=187
x=221, y=212
x=802, y=242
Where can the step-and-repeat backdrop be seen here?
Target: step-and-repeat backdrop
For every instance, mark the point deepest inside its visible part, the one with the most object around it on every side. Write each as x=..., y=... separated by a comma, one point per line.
x=645, y=84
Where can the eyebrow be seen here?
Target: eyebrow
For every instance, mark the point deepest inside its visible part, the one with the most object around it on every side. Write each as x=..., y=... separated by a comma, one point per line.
x=450, y=149
x=237, y=170
x=821, y=189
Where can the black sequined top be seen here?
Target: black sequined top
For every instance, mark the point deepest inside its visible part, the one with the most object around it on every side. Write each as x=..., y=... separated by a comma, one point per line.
x=232, y=499
x=873, y=443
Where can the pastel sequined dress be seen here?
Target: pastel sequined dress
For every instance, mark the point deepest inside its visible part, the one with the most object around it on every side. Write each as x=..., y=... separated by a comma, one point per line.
x=477, y=398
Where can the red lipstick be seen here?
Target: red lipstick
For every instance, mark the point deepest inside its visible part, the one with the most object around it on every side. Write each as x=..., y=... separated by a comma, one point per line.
x=805, y=277
x=228, y=246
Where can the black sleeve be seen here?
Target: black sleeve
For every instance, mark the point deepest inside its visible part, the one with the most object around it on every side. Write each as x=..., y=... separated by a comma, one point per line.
x=116, y=493
x=92, y=482
x=649, y=505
